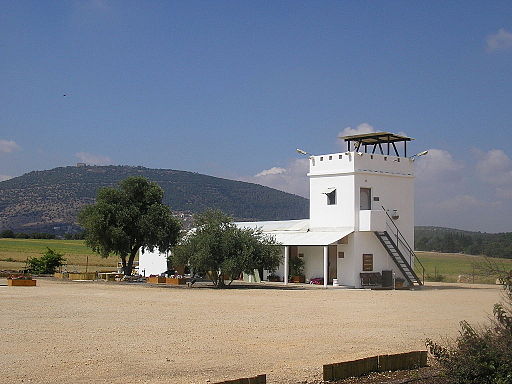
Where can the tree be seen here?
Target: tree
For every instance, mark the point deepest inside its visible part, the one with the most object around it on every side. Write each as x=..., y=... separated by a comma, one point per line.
x=47, y=263
x=127, y=218
x=221, y=250
x=7, y=234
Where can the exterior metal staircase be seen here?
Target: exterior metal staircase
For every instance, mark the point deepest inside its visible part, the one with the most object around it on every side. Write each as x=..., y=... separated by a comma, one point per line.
x=397, y=247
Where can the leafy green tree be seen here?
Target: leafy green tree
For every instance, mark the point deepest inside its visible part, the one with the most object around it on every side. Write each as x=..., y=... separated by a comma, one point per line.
x=222, y=251
x=7, y=234
x=127, y=218
x=47, y=263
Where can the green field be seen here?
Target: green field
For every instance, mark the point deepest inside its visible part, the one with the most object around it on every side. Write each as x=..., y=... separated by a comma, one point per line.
x=15, y=252
x=451, y=265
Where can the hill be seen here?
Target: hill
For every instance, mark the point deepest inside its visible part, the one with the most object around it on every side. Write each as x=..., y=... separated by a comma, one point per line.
x=48, y=201
x=451, y=240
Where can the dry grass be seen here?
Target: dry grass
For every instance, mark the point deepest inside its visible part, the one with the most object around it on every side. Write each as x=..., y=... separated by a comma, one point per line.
x=15, y=252
x=451, y=265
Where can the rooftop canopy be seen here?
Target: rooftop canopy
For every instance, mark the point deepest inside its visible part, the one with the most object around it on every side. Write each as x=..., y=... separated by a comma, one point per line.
x=376, y=139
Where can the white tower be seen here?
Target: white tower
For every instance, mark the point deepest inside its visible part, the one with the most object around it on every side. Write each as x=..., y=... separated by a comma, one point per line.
x=369, y=188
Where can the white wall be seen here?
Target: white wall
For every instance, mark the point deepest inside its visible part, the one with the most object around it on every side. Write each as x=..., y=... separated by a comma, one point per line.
x=390, y=178
x=313, y=261
x=367, y=242
x=152, y=263
x=347, y=267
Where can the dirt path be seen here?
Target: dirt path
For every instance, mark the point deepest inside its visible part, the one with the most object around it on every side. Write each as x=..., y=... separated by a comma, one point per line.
x=93, y=332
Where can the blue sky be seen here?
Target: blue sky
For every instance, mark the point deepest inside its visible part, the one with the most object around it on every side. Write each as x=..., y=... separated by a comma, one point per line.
x=231, y=88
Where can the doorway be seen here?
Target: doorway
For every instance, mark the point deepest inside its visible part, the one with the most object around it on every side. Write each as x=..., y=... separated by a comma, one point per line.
x=365, y=199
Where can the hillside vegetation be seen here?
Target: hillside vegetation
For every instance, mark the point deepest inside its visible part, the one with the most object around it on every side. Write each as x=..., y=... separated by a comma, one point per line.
x=450, y=240
x=48, y=201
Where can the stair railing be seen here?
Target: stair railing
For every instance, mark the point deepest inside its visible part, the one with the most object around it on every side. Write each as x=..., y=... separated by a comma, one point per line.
x=400, y=239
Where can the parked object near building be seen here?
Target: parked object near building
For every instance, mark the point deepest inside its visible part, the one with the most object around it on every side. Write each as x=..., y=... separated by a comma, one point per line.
x=361, y=216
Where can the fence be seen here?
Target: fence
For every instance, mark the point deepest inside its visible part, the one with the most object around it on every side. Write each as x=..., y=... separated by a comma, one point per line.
x=382, y=363
x=260, y=379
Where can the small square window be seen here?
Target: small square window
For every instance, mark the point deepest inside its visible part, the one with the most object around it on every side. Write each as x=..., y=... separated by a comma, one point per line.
x=331, y=198
x=321, y=158
x=339, y=156
x=341, y=255
x=330, y=157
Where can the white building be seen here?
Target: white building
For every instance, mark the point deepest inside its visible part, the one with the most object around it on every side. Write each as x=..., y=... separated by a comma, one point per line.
x=361, y=216
x=361, y=226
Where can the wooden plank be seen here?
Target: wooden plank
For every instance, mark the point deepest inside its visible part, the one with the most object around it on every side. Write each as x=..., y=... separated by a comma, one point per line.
x=328, y=372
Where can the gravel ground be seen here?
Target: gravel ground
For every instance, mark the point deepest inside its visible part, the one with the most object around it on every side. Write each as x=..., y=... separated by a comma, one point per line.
x=119, y=333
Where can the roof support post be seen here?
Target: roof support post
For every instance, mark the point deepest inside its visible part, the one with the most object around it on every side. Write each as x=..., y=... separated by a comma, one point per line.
x=286, y=263
x=326, y=265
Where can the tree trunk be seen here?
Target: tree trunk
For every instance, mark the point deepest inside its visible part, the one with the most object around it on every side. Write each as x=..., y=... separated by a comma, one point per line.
x=127, y=269
x=221, y=283
x=123, y=263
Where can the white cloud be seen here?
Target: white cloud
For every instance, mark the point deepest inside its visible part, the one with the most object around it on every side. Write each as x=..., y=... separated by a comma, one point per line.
x=359, y=130
x=5, y=177
x=438, y=165
x=93, y=159
x=271, y=171
x=8, y=146
x=499, y=41
x=292, y=179
x=495, y=167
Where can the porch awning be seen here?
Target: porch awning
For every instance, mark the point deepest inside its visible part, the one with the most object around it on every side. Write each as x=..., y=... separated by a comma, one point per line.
x=310, y=238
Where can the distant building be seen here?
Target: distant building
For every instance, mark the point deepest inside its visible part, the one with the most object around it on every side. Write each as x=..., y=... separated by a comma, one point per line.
x=81, y=164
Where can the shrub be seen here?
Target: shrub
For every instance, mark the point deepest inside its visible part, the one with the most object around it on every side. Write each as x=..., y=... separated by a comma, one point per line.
x=436, y=277
x=484, y=355
x=296, y=265
x=47, y=263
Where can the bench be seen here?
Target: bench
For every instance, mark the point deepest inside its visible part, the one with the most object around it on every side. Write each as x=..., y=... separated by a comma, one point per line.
x=370, y=279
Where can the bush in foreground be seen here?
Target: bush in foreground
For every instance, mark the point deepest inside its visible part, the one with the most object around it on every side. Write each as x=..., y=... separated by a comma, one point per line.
x=483, y=355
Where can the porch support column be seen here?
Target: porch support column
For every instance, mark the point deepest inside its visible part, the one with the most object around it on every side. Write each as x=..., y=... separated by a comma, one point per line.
x=286, y=262
x=326, y=265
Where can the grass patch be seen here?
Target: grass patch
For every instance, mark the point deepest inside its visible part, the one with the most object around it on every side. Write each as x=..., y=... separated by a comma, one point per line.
x=451, y=265
x=15, y=252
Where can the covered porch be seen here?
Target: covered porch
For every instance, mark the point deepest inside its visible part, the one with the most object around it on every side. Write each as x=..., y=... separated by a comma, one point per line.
x=317, y=247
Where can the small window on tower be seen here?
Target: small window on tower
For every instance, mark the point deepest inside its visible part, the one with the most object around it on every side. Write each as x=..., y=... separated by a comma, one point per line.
x=331, y=197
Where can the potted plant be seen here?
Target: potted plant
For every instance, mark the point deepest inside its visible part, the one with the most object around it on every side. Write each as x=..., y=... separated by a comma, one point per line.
x=155, y=279
x=273, y=277
x=175, y=280
x=21, y=281
x=296, y=265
